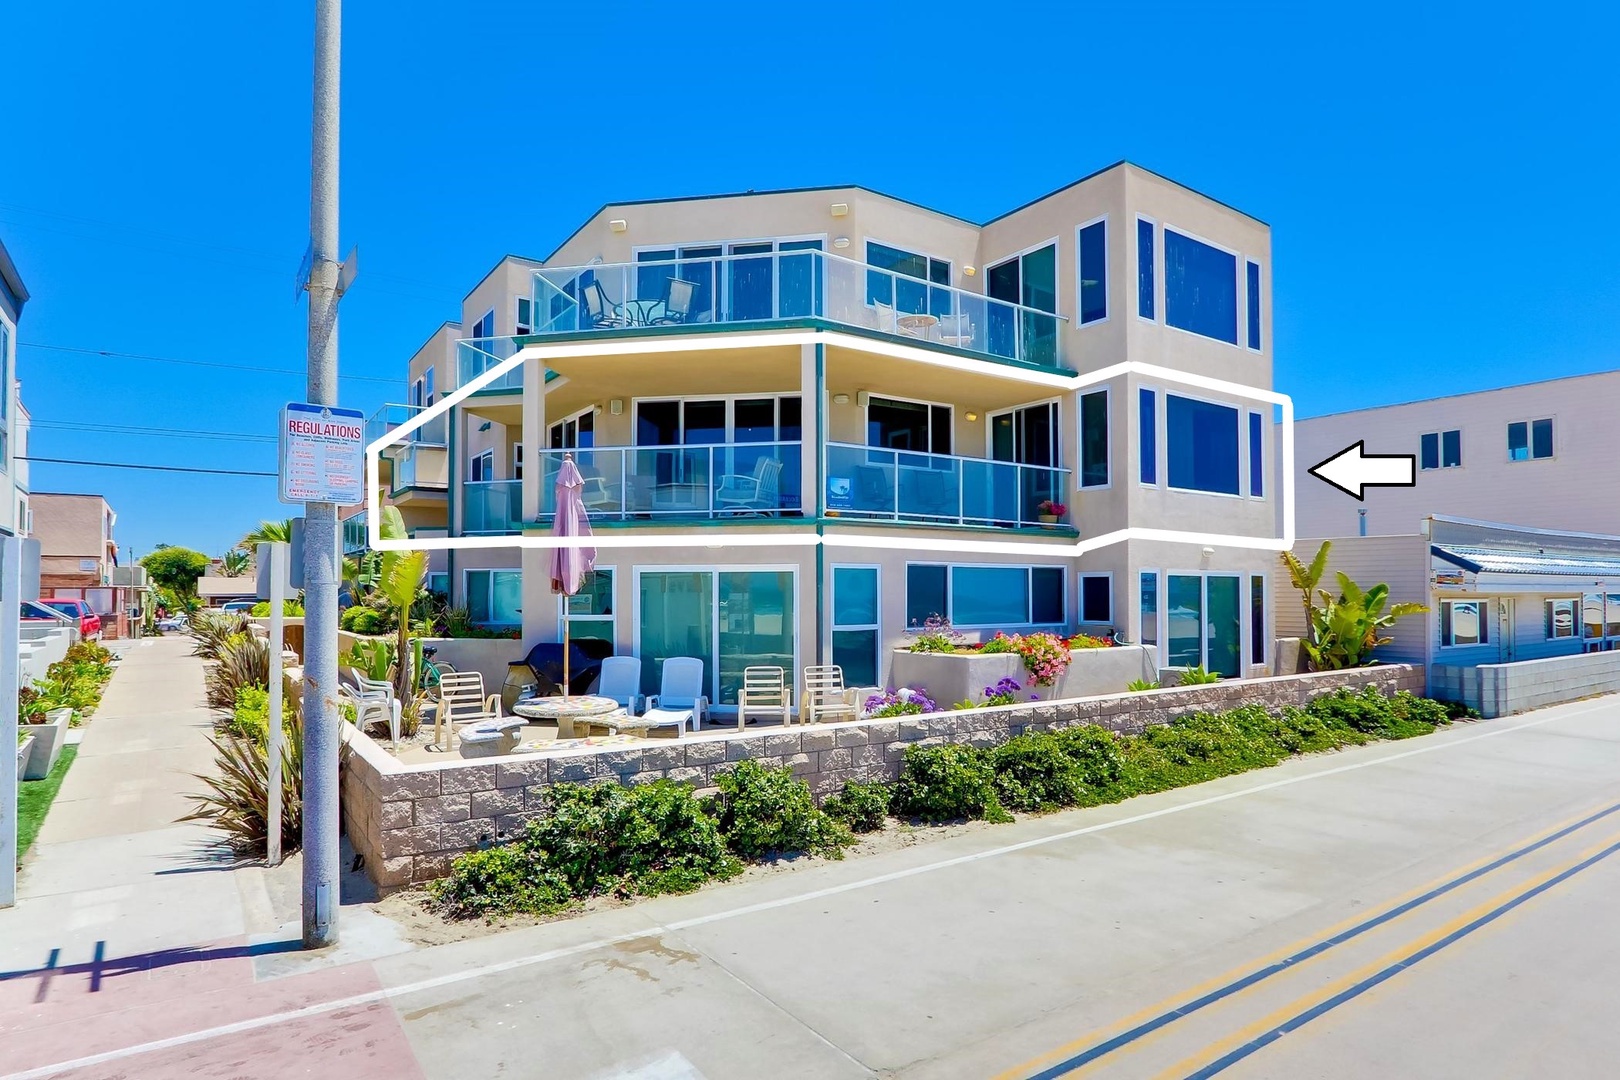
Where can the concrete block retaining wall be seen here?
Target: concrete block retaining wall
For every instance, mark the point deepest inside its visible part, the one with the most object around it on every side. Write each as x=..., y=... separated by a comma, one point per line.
x=1505, y=689
x=410, y=821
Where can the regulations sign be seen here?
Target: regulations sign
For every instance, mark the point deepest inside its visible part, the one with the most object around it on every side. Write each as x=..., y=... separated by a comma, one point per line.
x=321, y=454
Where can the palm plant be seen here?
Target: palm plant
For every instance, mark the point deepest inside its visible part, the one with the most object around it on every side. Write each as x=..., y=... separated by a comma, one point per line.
x=1305, y=579
x=237, y=799
x=269, y=532
x=399, y=581
x=211, y=629
x=236, y=562
x=241, y=660
x=1346, y=628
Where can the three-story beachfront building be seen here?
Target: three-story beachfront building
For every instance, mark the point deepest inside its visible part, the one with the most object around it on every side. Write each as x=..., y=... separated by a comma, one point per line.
x=810, y=420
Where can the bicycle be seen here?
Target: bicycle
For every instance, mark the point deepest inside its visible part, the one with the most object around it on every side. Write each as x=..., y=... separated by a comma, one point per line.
x=432, y=671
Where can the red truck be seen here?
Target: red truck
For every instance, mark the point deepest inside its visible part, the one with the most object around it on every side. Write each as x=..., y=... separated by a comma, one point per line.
x=89, y=621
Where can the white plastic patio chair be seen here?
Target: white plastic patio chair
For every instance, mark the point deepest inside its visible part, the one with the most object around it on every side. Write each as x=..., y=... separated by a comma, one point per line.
x=826, y=696
x=955, y=330
x=373, y=709
x=759, y=493
x=680, y=701
x=621, y=681
x=462, y=701
x=764, y=689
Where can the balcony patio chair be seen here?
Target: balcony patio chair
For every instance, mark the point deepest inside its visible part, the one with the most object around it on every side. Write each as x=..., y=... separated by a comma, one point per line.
x=462, y=701
x=955, y=330
x=757, y=494
x=373, y=701
x=598, y=496
x=888, y=321
x=678, y=297
x=680, y=701
x=621, y=681
x=874, y=488
x=764, y=689
x=826, y=696
x=933, y=493
x=600, y=312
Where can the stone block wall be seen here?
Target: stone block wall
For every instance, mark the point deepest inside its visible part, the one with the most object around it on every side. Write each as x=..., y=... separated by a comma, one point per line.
x=409, y=821
x=1505, y=689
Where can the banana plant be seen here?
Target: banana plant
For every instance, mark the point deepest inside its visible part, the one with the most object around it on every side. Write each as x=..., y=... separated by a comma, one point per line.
x=1306, y=579
x=1346, y=629
x=400, y=575
x=236, y=562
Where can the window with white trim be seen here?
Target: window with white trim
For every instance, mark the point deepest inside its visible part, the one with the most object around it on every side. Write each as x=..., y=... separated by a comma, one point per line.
x=1464, y=622
x=1091, y=253
x=1563, y=618
x=589, y=612
x=481, y=467
x=855, y=630
x=1530, y=440
x=1200, y=288
x=1094, y=439
x=985, y=595
x=901, y=280
x=1096, y=598
x=494, y=597
x=523, y=322
x=484, y=327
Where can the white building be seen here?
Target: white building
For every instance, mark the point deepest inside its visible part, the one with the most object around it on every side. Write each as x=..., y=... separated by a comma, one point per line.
x=13, y=419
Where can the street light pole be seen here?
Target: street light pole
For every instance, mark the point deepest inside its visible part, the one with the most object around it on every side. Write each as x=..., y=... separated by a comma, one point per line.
x=320, y=706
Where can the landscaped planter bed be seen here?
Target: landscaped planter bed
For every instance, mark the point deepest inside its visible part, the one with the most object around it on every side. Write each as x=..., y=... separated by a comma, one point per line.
x=962, y=676
x=48, y=740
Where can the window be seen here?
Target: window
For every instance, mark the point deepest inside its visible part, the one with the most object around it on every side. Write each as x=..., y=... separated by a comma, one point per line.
x=1464, y=622
x=574, y=433
x=427, y=386
x=1092, y=245
x=517, y=461
x=1257, y=619
x=1200, y=288
x=523, y=322
x=1027, y=435
x=1253, y=282
x=1257, y=455
x=481, y=467
x=589, y=612
x=439, y=585
x=1530, y=440
x=495, y=597
x=1150, y=607
x=1094, y=439
x=855, y=623
x=419, y=392
x=985, y=595
x=895, y=424
x=1144, y=269
x=1561, y=615
x=1096, y=598
x=1147, y=406
x=485, y=327
x=1029, y=280
x=901, y=280
x=1441, y=450
x=1202, y=445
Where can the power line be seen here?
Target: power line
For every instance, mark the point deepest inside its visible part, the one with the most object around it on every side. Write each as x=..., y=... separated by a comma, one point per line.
x=147, y=468
x=112, y=353
x=116, y=429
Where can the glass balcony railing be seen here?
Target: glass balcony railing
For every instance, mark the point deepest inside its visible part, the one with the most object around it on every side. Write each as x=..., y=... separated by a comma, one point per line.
x=898, y=485
x=730, y=480
x=491, y=507
x=419, y=466
x=475, y=356
x=433, y=433
x=354, y=534
x=785, y=285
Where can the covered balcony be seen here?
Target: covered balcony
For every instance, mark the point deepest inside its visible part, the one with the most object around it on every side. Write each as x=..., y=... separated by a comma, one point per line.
x=871, y=483
x=664, y=483
x=670, y=295
x=491, y=507
x=420, y=471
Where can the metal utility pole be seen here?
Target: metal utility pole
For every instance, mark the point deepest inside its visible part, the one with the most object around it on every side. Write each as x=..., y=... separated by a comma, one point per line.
x=321, y=572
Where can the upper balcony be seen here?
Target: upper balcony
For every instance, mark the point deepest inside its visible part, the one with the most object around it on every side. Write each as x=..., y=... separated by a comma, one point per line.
x=783, y=286
x=433, y=433
x=474, y=356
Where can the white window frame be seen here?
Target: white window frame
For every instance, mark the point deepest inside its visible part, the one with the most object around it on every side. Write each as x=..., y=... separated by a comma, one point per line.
x=1487, y=612
x=1246, y=457
x=487, y=459
x=1245, y=631
x=418, y=393
x=722, y=284
x=833, y=625
x=1154, y=268
x=487, y=318
x=573, y=418
x=466, y=589
x=1161, y=443
x=427, y=385
x=990, y=429
x=1530, y=439
x=1239, y=286
x=949, y=286
x=712, y=677
x=1246, y=263
x=1080, y=435
x=731, y=413
x=520, y=325
x=612, y=620
x=1029, y=590
x=1080, y=598
x=1080, y=275
x=1158, y=612
x=1242, y=436
x=1549, y=607
x=517, y=460
x=1056, y=244
x=866, y=426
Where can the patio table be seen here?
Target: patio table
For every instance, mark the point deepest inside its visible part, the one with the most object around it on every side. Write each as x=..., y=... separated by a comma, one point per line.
x=918, y=325
x=587, y=709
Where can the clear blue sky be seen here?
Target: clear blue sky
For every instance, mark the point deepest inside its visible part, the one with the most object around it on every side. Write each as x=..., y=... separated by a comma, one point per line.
x=1440, y=182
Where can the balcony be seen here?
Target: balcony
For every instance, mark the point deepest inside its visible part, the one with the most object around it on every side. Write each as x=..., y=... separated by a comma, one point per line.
x=354, y=534
x=475, y=356
x=419, y=467
x=780, y=286
x=652, y=483
x=875, y=484
x=491, y=507
x=433, y=433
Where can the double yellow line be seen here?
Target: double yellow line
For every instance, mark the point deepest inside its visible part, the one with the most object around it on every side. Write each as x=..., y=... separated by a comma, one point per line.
x=1140, y=1027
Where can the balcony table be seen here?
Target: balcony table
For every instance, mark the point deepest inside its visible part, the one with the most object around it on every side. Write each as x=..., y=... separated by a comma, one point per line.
x=681, y=496
x=586, y=709
x=918, y=324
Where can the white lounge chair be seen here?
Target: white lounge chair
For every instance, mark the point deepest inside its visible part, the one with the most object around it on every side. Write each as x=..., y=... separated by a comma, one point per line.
x=825, y=696
x=462, y=701
x=955, y=330
x=680, y=701
x=621, y=681
x=373, y=701
x=757, y=494
x=764, y=689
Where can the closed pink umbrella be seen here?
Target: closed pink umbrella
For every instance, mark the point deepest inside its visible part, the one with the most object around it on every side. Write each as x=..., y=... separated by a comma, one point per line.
x=570, y=563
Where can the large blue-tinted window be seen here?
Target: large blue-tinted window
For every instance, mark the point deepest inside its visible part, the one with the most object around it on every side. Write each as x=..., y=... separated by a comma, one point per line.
x=1200, y=288
x=1254, y=305
x=1094, y=272
x=902, y=280
x=1202, y=444
x=925, y=594
x=989, y=595
x=1148, y=424
x=1144, y=269
x=1094, y=439
x=1257, y=455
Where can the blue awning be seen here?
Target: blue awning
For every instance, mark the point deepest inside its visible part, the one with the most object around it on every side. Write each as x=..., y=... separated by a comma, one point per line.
x=1539, y=563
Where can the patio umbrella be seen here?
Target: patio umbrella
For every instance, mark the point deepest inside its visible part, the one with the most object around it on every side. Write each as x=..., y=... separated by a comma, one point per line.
x=570, y=564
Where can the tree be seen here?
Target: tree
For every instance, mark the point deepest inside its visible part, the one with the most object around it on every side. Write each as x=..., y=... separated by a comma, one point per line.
x=1305, y=579
x=269, y=532
x=176, y=569
x=236, y=562
x=1346, y=628
x=399, y=580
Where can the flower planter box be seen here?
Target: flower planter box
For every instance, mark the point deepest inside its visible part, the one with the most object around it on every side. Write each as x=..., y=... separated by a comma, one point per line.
x=49, y=739
x=24, y=750
x=959, y=676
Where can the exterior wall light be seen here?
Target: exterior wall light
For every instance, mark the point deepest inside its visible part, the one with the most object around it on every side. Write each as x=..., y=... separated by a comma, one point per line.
x=618, y=225
x=839, y=209
x=616, y=406
x=972, y=417
x=840, y=399
x=840, y=241
x=969, y=271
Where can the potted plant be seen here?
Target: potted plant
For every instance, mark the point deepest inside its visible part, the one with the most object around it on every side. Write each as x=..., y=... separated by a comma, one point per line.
x=1051, y=512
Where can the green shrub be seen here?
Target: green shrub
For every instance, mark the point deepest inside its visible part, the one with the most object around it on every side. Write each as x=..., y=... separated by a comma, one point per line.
x=1197, y=676
x=1457, y=710
x=862, y=805
x=946, y=783
x=1370, y=712
x=1136, y=686
x=241, y=660
x=505, y=880
x=763, y=812
x=1096, y=753
x=237, y=798
x=211, y=629
x=1001, y=643
x=289, y=609
x=249, y=719
x=1035, y=772
x=1087, y=641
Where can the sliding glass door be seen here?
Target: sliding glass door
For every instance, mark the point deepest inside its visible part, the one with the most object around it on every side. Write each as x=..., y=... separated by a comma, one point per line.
x=1029, y=280
x=1205, y=623
x=729, y=619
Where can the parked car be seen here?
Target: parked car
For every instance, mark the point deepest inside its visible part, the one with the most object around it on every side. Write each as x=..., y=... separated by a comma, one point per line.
x=240, y=607
x=32, y=611
x=177, y=621
x=89, y=621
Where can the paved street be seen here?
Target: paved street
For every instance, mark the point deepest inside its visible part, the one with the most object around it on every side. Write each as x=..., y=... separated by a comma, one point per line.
x=1433, y=908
